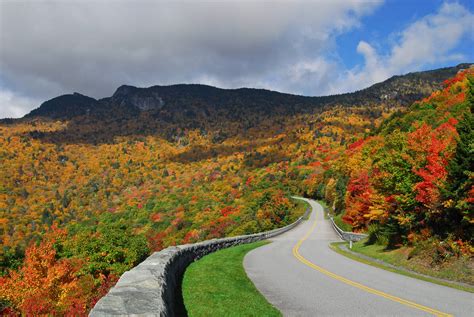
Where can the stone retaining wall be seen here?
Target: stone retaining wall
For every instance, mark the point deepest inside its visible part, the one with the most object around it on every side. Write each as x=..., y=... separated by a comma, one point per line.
x=153, y=288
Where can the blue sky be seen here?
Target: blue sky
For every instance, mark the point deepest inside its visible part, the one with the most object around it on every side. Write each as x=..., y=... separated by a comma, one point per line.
x=390, y=18
x=49, y=48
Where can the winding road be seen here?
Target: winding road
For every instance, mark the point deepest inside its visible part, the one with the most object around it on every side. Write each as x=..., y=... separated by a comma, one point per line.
x=301, y=276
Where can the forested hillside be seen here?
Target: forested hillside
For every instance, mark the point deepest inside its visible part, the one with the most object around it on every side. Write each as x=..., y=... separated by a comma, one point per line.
x=89, y=188
x=412, y=177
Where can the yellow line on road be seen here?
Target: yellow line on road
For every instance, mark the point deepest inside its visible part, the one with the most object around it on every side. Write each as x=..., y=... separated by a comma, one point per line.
x=302, y=259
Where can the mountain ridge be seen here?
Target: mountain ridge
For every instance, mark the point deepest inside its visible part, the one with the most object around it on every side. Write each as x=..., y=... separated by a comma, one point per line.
x=396, y=90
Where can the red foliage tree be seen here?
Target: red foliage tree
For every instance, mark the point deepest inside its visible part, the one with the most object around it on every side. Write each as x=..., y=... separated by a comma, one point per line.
x=432, y=145
x=46, y=285
x=358, y=200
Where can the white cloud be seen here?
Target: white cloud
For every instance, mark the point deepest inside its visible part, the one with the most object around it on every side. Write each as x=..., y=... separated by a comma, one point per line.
x=14, y=106
x=308, y=75
x=424, y=42
x=432, y=38
x=54, y=47
x=48, y=48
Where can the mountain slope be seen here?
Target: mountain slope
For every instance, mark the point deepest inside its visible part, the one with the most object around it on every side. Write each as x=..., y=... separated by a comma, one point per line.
x=418, y=180
x=193, y=97
x=65, y=107
x=89, y=197
x=223, y=113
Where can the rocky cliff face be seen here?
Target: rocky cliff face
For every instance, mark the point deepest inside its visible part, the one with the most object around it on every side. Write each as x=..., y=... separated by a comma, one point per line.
x=143, y=99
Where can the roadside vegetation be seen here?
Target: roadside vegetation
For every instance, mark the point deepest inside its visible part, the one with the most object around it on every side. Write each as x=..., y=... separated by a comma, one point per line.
x=217, y=285
x=409, y=184
x=341, y=223
x=337, y=217
x=419, y=262
x=300, y=208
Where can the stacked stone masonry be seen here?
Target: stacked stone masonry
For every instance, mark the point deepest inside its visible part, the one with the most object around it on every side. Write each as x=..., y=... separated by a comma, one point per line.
x=153, y=288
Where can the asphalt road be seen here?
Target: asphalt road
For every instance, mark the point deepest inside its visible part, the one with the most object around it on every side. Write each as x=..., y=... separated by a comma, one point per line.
x=301, y=276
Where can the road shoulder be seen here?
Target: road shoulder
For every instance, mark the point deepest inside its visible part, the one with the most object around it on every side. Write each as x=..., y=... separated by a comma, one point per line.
x=341, y=248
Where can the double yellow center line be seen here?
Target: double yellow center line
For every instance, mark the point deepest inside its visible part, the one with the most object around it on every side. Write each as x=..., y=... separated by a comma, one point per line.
x=405, y=302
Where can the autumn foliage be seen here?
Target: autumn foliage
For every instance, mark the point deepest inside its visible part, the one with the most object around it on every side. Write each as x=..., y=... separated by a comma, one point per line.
x=46, y=285
x=77, y=212
x=413, y=179
x=432, y=146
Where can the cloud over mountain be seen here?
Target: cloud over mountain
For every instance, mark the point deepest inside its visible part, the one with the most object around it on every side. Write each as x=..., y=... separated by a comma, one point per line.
x=55, y=47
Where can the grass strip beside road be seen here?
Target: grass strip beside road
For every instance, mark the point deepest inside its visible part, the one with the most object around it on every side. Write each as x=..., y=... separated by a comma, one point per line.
x=337, y=218
x=336, y=246
x=341, y=224
x=217, y=285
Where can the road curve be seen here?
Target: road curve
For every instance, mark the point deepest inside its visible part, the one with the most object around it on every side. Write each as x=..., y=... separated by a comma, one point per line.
x=301, y=276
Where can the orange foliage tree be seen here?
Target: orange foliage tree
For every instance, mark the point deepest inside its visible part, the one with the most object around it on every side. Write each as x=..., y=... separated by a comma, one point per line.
x=48, y=285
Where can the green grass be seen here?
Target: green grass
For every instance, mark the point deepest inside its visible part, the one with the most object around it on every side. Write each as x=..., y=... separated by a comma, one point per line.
x=217, y=285
x=341, y=224
x=325, y=208
x=399, y=264
x=337, y=218
x=301, y=206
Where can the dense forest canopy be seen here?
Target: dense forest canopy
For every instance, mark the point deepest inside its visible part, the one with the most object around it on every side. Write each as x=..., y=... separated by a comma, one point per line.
x=89, y=188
